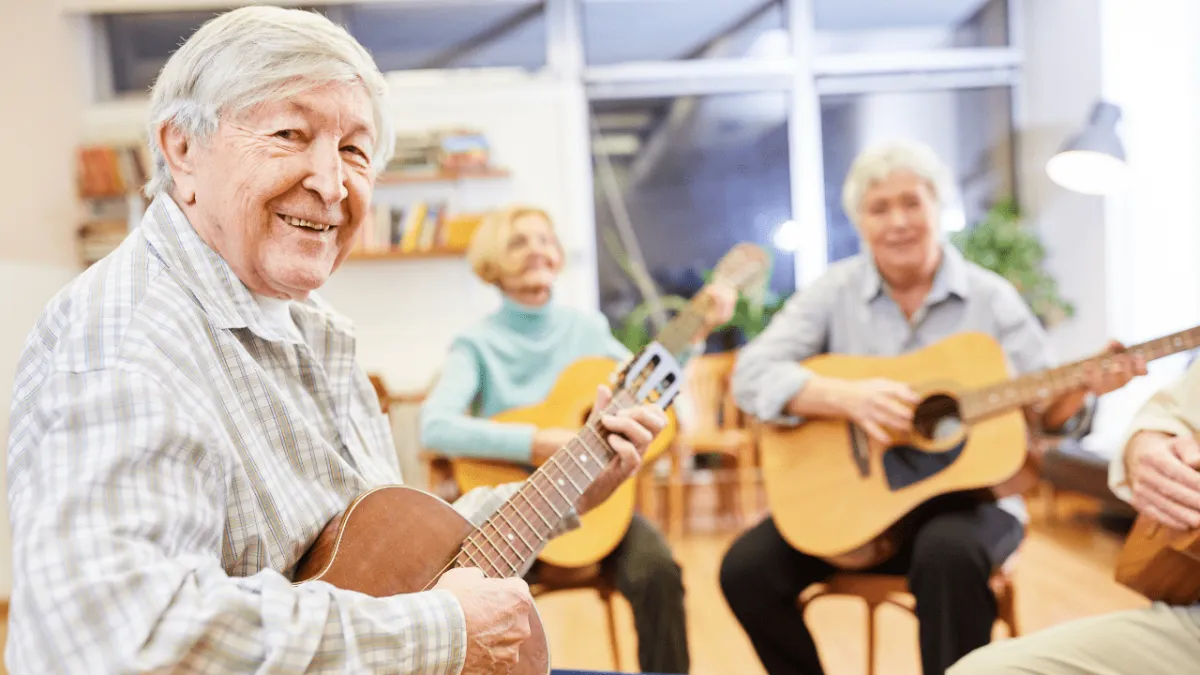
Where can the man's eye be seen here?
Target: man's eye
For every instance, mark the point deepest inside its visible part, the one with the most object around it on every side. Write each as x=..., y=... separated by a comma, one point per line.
x=355, y=149
x=288, y=134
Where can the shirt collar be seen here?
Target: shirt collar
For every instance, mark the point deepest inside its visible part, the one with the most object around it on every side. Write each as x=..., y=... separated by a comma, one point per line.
x=950, y=277
x=221, y=295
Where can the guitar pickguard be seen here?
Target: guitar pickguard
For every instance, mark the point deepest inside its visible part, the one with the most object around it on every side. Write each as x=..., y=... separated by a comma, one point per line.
x=904, y=465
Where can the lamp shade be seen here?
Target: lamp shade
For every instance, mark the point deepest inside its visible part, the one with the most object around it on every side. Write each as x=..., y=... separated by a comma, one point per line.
x=1093, y=161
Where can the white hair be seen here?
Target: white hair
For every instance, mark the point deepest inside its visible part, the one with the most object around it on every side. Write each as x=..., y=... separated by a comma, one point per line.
x=252, y=55
x=881, y=161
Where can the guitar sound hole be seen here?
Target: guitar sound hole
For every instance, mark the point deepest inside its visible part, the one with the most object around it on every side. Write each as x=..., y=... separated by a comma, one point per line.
x=937, y=417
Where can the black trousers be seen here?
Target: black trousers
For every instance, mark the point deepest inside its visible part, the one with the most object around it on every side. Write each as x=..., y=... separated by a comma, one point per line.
x=648, y=576
x=958, y=542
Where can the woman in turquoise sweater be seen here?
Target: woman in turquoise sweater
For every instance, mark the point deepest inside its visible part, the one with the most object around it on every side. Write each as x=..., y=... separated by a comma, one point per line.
x=512, y=359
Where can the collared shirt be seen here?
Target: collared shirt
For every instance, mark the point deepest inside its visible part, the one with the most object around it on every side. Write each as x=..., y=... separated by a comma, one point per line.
x=849, y=311
x=173, y=453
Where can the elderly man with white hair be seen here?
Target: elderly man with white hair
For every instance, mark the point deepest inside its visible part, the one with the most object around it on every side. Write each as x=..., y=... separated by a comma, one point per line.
x=907, y=290
x=188, y=415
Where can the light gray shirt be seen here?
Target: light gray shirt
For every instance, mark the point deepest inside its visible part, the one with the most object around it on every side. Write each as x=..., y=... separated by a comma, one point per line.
x=848, y=311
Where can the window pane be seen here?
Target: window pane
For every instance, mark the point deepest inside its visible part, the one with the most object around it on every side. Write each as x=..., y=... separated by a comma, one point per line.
x=621, y=31
x=886, y=25
x=969, y=129
x=696, y=176
x=401, y=36
x=452, y=35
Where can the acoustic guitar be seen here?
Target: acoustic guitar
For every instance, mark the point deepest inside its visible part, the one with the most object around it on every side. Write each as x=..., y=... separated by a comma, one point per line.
x=838, y=494
x=396, y=539
x=569, y=403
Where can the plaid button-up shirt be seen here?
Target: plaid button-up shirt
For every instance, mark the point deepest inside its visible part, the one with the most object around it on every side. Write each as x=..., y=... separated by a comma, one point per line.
x=172, y=454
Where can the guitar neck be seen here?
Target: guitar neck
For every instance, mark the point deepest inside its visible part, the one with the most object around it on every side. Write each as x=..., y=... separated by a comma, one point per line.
x=683, y=328
x=1047, y=385
x=512, y=537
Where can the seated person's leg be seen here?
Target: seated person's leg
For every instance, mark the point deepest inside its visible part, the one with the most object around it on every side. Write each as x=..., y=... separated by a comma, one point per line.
x=1160, y=639
x=650, y=579
x=762, y=577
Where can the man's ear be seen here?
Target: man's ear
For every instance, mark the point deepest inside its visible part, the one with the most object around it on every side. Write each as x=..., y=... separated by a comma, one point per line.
x=180, y=153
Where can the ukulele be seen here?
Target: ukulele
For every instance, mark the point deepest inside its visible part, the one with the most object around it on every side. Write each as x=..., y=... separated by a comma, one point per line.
x=838, y=494
x=397, y=539
x=569, y=403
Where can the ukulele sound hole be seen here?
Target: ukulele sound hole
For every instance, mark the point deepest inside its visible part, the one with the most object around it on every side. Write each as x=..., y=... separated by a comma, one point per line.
x=935, y=419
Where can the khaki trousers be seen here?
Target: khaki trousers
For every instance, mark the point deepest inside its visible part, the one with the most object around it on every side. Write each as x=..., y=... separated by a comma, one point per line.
x=1159, y=639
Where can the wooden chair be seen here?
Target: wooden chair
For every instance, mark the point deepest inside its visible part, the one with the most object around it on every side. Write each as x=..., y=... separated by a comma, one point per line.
x=437, y=468
x=551, y=579
x=718, y=427
x=881, y=589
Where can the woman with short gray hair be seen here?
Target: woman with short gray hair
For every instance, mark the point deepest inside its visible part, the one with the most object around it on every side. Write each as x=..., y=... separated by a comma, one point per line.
x=907, y=290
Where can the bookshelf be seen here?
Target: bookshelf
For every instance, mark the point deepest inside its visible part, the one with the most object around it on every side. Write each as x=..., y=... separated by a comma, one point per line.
x=397, y=254
x=443, y=176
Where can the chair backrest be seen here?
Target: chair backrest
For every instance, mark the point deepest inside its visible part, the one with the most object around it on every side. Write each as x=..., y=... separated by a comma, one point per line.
x=380, y=391
x=708, y=390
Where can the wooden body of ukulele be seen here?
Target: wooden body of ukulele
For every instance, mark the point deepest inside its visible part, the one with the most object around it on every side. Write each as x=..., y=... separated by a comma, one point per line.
x=393, y=540
x=396, y=539
x=566, y=407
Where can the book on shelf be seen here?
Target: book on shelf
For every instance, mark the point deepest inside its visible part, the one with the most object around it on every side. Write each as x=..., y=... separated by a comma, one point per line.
x=106, y=172
x=420, y=227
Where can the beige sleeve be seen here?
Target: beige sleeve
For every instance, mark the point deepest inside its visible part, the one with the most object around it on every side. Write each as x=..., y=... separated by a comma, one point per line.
x=1174, y=410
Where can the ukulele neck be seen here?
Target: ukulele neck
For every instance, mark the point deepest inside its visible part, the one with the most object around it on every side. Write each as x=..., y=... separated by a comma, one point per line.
x=510, y=540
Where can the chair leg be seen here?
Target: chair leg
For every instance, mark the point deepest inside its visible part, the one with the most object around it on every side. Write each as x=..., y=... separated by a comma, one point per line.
x=1007, y=611
x=676, y=498
x=610, y=607
x=870, y=639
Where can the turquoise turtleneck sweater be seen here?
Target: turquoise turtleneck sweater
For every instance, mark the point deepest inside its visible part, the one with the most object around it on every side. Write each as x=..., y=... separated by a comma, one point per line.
x=510, y=359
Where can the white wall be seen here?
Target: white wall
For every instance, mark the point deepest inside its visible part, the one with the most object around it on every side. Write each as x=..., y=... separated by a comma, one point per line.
x=1151, y=68
x=39, y=118
x=1062, y=81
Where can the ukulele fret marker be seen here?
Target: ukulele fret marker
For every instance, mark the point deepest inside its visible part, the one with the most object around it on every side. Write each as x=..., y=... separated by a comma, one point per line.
x=499, y=551
x=556, y=485
x=500, y=512
x=567, y=474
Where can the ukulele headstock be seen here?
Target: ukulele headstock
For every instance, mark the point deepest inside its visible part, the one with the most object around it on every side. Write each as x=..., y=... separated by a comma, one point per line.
x=745, y=266
x=653, y=376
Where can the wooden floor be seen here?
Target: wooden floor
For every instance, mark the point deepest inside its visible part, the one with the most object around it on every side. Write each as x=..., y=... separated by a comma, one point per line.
x=1065, y=573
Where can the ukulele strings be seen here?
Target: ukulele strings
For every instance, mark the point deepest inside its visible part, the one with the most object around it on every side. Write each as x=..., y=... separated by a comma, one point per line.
x=618, y=403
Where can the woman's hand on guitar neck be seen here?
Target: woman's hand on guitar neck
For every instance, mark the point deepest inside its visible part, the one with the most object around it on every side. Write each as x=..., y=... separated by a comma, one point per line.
x=632, y=429
x=1164, y=480
x=722, y=300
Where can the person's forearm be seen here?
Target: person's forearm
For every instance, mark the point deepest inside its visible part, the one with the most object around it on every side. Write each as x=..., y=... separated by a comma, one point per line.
x=821, y=396
x=1062, y=410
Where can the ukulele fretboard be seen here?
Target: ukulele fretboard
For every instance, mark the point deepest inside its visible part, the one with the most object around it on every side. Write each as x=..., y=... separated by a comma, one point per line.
x=512, y=537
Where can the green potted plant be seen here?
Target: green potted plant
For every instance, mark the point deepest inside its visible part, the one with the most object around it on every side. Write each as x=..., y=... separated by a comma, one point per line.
x=1002, y=244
